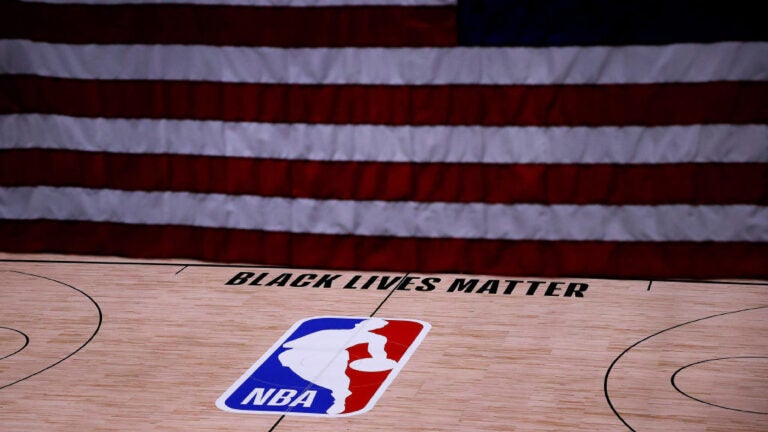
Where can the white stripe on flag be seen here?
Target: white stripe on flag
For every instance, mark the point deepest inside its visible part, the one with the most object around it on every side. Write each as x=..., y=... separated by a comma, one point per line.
x=727, y=61
x=398, y=219
x=374, y=143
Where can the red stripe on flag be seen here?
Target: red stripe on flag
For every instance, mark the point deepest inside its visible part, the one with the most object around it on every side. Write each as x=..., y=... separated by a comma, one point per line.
x=543, y=258
x=345, y=26
x=429, y=182
x=551, y=105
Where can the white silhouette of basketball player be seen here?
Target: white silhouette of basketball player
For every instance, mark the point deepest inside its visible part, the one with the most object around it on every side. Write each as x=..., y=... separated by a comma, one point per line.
x=321, y=357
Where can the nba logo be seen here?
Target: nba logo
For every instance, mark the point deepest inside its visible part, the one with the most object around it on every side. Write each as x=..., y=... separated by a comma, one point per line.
x=326, y=366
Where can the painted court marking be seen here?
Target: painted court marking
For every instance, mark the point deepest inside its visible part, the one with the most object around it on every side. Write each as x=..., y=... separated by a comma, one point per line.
x=761, y=359
x=4, y=384
x=19, y=333
x=763, y=317
x=347, y=361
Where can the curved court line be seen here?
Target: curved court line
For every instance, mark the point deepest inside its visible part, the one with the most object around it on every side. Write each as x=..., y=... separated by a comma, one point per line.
x=709, y=403
x=98, y=326
x=26, y=341
x=608, y=372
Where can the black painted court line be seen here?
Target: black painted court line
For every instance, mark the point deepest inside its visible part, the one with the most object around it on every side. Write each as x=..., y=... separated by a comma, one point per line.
x=182, y=269
x=389, y=295
x=650, y=282
x=626, y=350
x=257, y=266
x=710, y=282
x=26, y=341
x=276, y=423
x=98, y=326
x=674, y=384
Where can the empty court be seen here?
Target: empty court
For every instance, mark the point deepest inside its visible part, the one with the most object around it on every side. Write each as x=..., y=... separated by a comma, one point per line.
x=94, y=344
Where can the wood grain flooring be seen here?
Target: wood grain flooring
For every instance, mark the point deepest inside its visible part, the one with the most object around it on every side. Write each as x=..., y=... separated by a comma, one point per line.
x=89, y=343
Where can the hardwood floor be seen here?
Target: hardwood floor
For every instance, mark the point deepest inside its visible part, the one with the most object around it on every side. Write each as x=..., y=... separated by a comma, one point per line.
x=94, y=343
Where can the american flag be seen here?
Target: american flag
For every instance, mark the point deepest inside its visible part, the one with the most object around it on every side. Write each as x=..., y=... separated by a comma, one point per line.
x=581, y=138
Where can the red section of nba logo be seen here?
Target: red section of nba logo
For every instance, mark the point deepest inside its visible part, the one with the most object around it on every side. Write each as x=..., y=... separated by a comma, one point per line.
x=363, y=385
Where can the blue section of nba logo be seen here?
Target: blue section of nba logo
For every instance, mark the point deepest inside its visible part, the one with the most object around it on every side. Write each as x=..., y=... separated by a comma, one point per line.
x=273, y=386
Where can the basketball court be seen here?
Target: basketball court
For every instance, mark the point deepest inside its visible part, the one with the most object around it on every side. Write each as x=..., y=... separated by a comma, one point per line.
x=90, y=343
x=279, y=142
